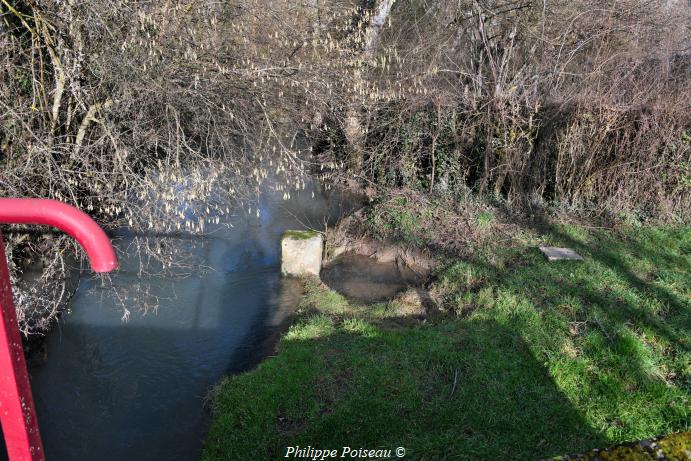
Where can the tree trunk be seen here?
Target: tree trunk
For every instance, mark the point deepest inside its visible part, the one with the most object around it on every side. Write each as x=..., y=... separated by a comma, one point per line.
x=379, y=18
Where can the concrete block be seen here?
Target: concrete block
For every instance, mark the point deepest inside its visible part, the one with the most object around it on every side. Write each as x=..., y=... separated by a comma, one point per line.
x=301, y=253
x=560, y=254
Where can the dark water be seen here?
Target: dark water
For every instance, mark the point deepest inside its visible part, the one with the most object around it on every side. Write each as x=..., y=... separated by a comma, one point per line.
x=114, y=390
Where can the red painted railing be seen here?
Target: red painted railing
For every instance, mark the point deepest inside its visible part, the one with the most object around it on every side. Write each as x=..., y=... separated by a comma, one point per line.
x=17, y=411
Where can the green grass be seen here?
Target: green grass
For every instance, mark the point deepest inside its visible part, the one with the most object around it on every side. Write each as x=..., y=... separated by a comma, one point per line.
x=401, y=219
x=484, y=220
x=531, y=360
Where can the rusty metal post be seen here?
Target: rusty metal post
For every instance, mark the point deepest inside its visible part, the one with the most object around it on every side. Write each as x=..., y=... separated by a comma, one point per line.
x=17, y=411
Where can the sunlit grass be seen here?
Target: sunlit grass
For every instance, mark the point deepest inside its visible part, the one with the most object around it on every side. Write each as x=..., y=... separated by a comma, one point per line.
x=533, y=359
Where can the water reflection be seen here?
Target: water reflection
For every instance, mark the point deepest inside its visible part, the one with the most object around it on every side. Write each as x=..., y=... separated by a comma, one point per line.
x=110, y=390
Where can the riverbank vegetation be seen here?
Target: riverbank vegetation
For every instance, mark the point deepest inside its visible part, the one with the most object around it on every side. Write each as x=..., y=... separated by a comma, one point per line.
x=478, y=129
x=117, y=106
x=518, y=358
x=577, y=103
x=157, y=117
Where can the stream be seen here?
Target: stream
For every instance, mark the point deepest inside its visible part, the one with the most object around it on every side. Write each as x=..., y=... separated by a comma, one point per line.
x=112, y=390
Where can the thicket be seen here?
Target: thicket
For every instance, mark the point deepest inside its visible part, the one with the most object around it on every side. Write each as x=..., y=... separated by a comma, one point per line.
x=158, y=116
x=581, y=103
x=161, y=116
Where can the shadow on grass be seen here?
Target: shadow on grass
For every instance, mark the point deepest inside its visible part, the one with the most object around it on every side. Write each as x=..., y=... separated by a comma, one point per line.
x=617, y=340
x=458, y=390
x=549, y=358
x=612, y=254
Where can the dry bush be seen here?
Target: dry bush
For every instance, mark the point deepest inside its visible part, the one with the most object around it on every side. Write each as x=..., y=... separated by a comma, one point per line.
x=580, y=103
x=161, y=116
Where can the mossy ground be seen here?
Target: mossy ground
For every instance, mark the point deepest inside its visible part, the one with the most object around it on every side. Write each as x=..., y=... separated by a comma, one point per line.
x=526, y=359
x=672, y=447
x=300, y=234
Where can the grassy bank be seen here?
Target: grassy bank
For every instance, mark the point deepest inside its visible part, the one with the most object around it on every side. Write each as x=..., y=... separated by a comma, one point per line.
x=521, y=359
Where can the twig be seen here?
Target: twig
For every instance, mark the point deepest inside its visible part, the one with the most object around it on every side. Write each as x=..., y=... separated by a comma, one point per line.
x=455, y=382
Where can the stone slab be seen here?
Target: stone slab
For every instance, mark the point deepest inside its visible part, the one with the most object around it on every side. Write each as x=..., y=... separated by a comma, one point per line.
x=560, y=254
x=301, y=253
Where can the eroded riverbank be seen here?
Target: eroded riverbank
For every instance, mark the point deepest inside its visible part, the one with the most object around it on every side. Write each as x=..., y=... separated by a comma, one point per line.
x=513, y=357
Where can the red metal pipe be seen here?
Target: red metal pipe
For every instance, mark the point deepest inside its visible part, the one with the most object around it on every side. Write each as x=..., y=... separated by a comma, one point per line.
x=17, y=410
x=66, y=218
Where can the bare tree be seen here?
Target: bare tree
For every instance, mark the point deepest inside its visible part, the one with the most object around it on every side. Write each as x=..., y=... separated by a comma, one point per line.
x=129, y=110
